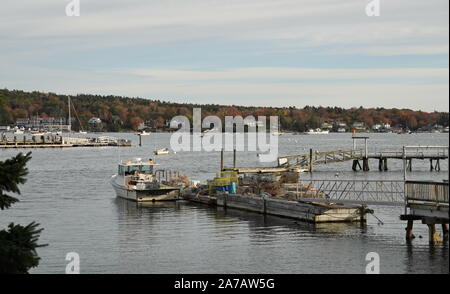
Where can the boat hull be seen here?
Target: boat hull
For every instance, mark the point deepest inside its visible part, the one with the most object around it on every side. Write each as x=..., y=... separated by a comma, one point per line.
x=165, y=194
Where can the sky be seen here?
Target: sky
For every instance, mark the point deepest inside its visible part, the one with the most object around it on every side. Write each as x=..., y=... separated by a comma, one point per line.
x=242, y=52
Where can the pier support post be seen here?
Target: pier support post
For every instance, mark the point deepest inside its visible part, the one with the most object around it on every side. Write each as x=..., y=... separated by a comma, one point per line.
x=438, y=165
x=445, y=231
x=382, y=164
x=310, y=160
x=366, y=164
x=234, y=159
x=140, y=140
x=356, y=165
x=409, y=166
x=431, y=165
x=409, y=234
x=222, y=161
x=363, y=214
x=434, y=236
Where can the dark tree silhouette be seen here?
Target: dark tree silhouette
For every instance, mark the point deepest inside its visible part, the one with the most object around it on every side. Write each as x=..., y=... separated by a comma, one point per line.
x=18, y=243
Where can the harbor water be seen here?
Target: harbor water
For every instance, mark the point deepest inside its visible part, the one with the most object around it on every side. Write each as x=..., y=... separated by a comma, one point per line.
x=69, y=194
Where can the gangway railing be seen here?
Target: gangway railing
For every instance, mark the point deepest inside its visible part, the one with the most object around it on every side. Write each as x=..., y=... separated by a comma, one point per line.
x=369, y=192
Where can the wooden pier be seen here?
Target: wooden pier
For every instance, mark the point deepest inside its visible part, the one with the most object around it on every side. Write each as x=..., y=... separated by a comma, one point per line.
x=315, y=158
x=51, y=141
x=427, y=202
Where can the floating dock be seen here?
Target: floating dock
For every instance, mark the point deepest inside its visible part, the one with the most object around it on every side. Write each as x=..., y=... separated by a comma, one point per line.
x=303, y=211
x=307, y=211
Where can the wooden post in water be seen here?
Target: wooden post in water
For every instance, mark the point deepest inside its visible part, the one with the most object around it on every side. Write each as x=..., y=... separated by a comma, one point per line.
x=433, y=235
x=366, y=164
x=409, y=234
x=410, y=165
x=222, y=161
x=140, y=140
x=310, y=160
x=445, y=232
x=234, y=159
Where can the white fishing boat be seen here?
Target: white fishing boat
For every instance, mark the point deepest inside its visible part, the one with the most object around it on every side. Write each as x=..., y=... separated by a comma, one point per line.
x=38, y=134
x=210, y=131
x=317, y=132
x=19, y=131
x=137, y=181
x=163, y=151
x=144, y=133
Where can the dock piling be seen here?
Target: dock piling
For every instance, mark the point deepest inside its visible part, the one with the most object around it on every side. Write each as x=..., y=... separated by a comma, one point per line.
x=434, y=236
x=445, y=232
x=356, y=165
x=409, y=165
x=409, y=231
x=366, y=164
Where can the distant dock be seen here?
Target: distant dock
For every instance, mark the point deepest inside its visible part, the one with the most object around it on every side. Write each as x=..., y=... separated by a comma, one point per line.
x=51, y=141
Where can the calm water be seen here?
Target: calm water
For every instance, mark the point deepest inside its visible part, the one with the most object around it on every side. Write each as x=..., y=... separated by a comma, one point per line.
x=69, y=194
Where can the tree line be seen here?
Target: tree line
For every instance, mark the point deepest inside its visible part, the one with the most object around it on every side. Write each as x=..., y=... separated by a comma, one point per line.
x=124, y=113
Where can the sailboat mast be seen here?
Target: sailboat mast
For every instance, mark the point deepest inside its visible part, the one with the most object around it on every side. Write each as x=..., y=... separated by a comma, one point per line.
x=70, y=120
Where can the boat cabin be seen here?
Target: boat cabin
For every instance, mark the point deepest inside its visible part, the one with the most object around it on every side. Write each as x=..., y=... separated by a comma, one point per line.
x=131, y=168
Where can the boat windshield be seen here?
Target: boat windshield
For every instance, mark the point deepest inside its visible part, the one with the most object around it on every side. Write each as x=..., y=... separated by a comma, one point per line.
x=126, y=170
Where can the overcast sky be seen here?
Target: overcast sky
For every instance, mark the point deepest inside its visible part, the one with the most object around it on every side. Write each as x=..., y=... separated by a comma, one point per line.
x=245, y=52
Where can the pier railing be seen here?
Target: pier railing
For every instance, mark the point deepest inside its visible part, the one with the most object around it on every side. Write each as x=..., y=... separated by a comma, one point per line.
x=317, y=158
x=370, y=192
x=425, y=191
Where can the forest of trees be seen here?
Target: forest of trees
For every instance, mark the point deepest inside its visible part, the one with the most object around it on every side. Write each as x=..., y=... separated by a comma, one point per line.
x=123, y=113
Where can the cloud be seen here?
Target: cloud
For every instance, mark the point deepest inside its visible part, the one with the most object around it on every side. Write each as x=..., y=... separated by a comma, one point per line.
x=417, y=88
x=304, y=23
x=254, y=52
x=282, y=73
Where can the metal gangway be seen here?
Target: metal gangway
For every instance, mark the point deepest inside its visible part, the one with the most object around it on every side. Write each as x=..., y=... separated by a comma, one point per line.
x=367, y=192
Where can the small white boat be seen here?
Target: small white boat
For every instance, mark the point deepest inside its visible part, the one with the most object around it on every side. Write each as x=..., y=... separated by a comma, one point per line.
x=137, y=181
x=143, y=133
x=277, y=133
x=82, y=132
x=317, y=132
x=164, y=151
x=212, y=131
x=38, y=133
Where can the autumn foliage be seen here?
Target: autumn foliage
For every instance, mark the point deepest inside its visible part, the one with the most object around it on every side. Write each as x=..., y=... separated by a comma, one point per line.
x=122, y=113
